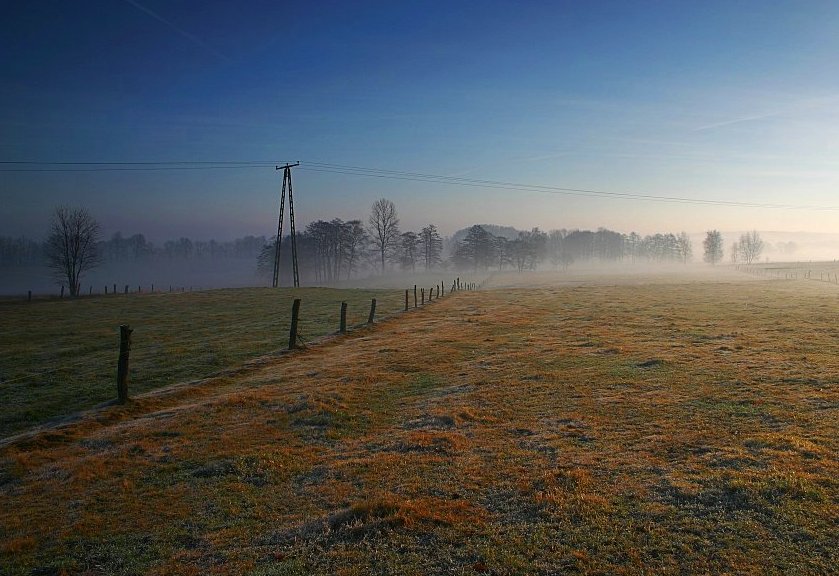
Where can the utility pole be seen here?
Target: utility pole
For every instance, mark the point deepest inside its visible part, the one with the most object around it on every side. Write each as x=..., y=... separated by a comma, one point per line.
x=286, y=183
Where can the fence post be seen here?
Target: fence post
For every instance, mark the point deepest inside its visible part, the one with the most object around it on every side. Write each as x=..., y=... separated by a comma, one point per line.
x=292, y=333
x=126, y=288
x=115, y=288
x=406, y=300
x=62, y=291
x=343, y=318
x=29, y=297
x=90, y=291
x=122, y=365
x=372, y=312
x=458, y=282
x=422, y=293
x=443, y=286
x=415, y=295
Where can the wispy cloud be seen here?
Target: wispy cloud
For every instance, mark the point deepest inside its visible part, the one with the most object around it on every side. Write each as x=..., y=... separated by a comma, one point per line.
x=191, y=37
x=736, y=121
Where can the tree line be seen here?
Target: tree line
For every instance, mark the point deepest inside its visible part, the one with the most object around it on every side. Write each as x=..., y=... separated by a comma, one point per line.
x=335, y=250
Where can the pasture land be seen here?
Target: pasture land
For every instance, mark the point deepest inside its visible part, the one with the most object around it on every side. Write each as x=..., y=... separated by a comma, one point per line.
x=683, y=427
x=59, y=355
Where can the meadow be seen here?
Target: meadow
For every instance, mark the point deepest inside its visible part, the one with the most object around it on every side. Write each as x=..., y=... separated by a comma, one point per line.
x=580, y=426
x=59, y=355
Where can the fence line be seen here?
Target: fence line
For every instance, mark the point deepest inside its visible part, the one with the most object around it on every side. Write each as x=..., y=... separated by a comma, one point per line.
x=139, y=355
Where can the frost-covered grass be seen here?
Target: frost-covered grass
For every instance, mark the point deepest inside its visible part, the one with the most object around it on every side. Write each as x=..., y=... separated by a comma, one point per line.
x=58, y=356
x=682, y=428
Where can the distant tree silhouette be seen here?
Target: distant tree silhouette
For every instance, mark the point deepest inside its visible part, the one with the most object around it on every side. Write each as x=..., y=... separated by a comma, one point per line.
x=409, y=246
x=431, y=246
x=712, y=246
x=71, y=245
x=750, y=246
x=477, y=250
x=384, y=228
x=355, y=241
x=685, y=247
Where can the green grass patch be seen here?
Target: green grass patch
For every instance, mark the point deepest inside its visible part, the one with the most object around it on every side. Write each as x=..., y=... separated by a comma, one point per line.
x=59, y=356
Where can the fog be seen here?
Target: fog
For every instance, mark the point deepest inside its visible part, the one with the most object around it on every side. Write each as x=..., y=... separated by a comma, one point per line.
x=210, y=265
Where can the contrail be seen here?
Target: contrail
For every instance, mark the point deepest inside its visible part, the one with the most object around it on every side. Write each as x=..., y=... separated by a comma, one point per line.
x=192, y=38
x=735, y=121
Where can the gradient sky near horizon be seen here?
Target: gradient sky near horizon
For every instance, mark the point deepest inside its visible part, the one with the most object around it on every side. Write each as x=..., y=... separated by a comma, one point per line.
x=717, y=100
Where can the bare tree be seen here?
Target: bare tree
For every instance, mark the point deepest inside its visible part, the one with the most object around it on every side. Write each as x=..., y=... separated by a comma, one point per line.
x=71, y=245
x=685, y=247
x=384, y=228
x=713, y=247
x=432, y=246
x=355, y=240
x=409, y=245
x=750, y=246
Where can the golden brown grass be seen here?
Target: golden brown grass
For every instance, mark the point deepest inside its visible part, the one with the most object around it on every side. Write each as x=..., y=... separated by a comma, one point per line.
x=663, y=428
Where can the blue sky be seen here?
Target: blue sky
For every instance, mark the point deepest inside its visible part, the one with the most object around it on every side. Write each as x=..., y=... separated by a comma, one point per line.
x=709, y=100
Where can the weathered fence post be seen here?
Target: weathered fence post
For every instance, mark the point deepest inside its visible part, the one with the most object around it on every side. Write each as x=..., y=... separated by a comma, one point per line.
x=122, y=365
x=443, y=286
x=62, y=291
x=126, y=288
x=372, y=312
x=415, y=295
x=458, y=282
x=406, y=300
x=343, y=318
x=292, y=333
x=90, y=291
x=422, y=293
x=115, y=288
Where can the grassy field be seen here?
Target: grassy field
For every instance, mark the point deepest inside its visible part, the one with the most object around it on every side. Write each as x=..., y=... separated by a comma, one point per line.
x=598, y=428
x=59, y=356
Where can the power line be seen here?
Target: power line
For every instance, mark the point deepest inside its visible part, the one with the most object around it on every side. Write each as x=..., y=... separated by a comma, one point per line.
x=350, y=170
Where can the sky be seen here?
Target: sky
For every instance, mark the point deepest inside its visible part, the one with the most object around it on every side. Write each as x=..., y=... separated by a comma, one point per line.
x=728, y=103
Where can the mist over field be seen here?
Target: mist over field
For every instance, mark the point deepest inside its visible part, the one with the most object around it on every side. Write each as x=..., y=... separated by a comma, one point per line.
x=239, y=267
x=418, y=288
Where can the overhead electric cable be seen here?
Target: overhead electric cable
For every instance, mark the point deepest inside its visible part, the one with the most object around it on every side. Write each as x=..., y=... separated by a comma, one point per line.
x=350, y=170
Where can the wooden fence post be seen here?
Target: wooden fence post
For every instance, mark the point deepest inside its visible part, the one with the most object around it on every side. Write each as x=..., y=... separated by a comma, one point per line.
x=292, y=333
x=443, y=286
x=343, y=318
x=62, y=291
x=126, y=288
x=415, y=295
x=406, y=300
x=115, y=288
x=372, y=312
x=422, y=293
x=90, y=291
x=122, y=365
